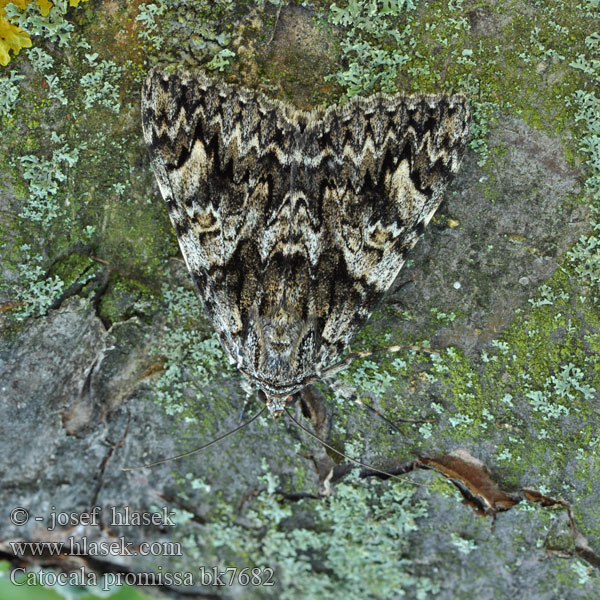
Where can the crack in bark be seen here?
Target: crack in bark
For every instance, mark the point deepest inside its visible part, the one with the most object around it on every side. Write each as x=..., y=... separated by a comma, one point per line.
x=582, y=547
x=113, y=447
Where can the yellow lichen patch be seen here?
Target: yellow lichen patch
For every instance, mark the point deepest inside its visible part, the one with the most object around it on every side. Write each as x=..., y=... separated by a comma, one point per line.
x=45, y=6
x=13, y=37
x=20, y=3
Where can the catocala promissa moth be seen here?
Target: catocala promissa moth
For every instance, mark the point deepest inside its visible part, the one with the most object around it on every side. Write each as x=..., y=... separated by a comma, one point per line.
x=294, y=224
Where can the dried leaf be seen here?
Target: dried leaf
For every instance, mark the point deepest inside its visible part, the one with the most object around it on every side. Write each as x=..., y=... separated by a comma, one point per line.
x=471, y=477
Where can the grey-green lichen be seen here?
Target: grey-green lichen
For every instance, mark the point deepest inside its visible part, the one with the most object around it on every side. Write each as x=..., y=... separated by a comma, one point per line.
x=357, y=539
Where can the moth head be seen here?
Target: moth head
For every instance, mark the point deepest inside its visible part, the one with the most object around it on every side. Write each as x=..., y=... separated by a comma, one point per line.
x=276, y=405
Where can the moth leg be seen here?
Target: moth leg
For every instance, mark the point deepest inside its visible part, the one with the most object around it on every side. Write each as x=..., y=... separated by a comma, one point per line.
x=243, y=409
x=350, y=358
x=249, y=390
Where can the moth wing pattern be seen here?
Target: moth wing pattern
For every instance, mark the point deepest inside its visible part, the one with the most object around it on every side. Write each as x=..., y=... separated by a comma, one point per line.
x=385, y=162
x=294, y=224
x=220, y=156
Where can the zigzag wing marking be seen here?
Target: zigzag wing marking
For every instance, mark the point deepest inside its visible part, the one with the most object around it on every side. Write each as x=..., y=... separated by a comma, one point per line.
x=295, y=224
x=377, y=169
x=221, y=156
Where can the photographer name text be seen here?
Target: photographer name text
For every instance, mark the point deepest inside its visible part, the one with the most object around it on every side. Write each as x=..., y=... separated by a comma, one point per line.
x=114, y=517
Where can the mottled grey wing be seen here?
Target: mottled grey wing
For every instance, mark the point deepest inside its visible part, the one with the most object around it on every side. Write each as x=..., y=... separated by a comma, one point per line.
x=295, y=224
x=221, y=156
x=375, y=171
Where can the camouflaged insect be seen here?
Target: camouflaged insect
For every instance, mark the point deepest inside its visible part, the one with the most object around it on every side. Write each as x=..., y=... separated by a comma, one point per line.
x=294, y=224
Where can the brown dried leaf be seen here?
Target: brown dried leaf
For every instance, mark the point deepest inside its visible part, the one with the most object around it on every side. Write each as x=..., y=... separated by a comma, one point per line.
x=472, y=478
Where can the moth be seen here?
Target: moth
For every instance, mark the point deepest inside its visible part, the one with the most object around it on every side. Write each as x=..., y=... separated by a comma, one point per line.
x=294, y=224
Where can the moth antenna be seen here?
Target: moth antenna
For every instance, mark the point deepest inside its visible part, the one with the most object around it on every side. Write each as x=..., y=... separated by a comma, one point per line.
x=342, y=364
x=357, y=462
x=377, y=413
x=384, y=418
x=221, y=437
x=354, y=355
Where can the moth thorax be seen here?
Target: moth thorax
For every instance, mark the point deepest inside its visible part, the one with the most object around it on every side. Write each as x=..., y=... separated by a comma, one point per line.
x=281, y=331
